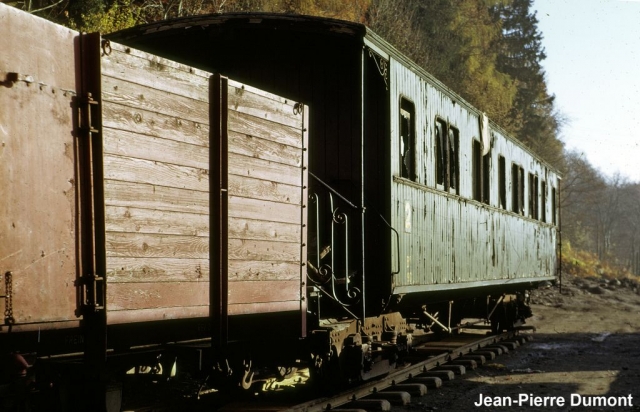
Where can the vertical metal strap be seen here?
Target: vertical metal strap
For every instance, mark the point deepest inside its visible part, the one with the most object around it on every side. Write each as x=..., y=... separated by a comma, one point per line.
x=92, y=219
x=218, y=215
x=8, y=299
x=304, y=219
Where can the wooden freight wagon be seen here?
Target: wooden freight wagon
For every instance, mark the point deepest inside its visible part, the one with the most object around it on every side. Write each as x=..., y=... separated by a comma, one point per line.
x=142, y=200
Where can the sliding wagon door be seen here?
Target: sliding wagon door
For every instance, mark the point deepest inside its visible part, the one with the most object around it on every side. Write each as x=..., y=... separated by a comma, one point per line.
x=262, y=195
x=156, y=183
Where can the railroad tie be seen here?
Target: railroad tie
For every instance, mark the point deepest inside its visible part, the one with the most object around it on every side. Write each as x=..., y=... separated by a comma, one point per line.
x=369, y=405
x=395, y=397
x=429, y=381
x=486, y=353
x=511, y=344
x=444, y=375
x=500, y=346
x=413, y=389
x=458, y=369
x=480, y=360
x=348, y=410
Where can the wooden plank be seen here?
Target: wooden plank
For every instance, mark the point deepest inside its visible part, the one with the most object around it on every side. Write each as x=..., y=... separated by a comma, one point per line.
x=263, y=230
x=129, y=94
x=254, y=126
x=134, y=220
x=259, y=148
x=149, y=315
x=149, y=245
x=264, y=291
x=117, y=116
x=155, y=72
x=263, y=169
x=129, y=194
x=127, y=269
x=257, y=209
x=258, y=250
x=267, y=307
x=261, y=93
x=245, y=100
x=243, y=186
x=155, y=173
x=248, y=270
x=128, y=296
x=127, y=144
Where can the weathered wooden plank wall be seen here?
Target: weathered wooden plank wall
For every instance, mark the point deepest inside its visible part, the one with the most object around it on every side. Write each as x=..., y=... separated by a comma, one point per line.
x=156, y=161
x=156, y=134
x=267, y=189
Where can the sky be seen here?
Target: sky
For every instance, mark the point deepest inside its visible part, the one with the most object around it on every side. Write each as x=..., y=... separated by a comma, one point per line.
x=593, y=68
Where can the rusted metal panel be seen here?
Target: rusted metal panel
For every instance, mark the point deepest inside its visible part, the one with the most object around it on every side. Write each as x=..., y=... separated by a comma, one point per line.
x=38, y=179
x=156, y=168
x=266, y=150
x=447, y=239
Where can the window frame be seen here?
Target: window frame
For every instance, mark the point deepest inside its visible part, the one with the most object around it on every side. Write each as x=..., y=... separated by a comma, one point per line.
x=502, y=182
x=407, y=171
x=447, y=158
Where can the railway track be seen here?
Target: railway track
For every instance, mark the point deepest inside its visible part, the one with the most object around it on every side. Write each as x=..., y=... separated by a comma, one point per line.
x=431, y=365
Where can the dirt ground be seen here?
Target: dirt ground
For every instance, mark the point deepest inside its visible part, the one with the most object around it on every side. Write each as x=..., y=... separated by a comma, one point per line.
x=586, y=344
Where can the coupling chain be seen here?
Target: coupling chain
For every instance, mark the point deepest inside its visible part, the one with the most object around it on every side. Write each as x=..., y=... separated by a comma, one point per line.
x=8, y=304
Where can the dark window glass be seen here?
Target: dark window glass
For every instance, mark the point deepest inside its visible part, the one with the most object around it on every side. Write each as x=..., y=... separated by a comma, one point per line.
x=486, y=178
x=543, y=202
x=407, y=140
x=477, y=171
x=441, y=128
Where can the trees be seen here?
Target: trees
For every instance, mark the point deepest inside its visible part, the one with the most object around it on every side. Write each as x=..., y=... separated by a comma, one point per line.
x=535, y=120
x=455, y=40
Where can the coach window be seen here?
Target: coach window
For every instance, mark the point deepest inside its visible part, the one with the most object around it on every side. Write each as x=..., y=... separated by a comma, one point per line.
x=554, y=212
x=517, y=189
x=543, y=201
x=477, y=170
x=521, y=190
x=454, y=167
x=533, y=196
x=486, y=178
x=441, y=128
x=481, y=174
x=407, y=140
x=502, y=181
x=447, y=155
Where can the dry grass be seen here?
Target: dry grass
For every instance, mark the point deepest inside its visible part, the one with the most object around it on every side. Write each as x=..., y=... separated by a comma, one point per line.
x=586, y=264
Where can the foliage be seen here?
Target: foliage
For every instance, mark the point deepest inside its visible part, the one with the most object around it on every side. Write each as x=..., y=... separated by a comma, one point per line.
x=118, y=16
x=455, y=41
x=534, y=119
x=586, y=264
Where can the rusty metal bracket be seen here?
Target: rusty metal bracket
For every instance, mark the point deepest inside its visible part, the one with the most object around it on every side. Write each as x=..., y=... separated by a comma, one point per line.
x=92, y=300
x=85, y=119
x=8, y=299
x=106, y=47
